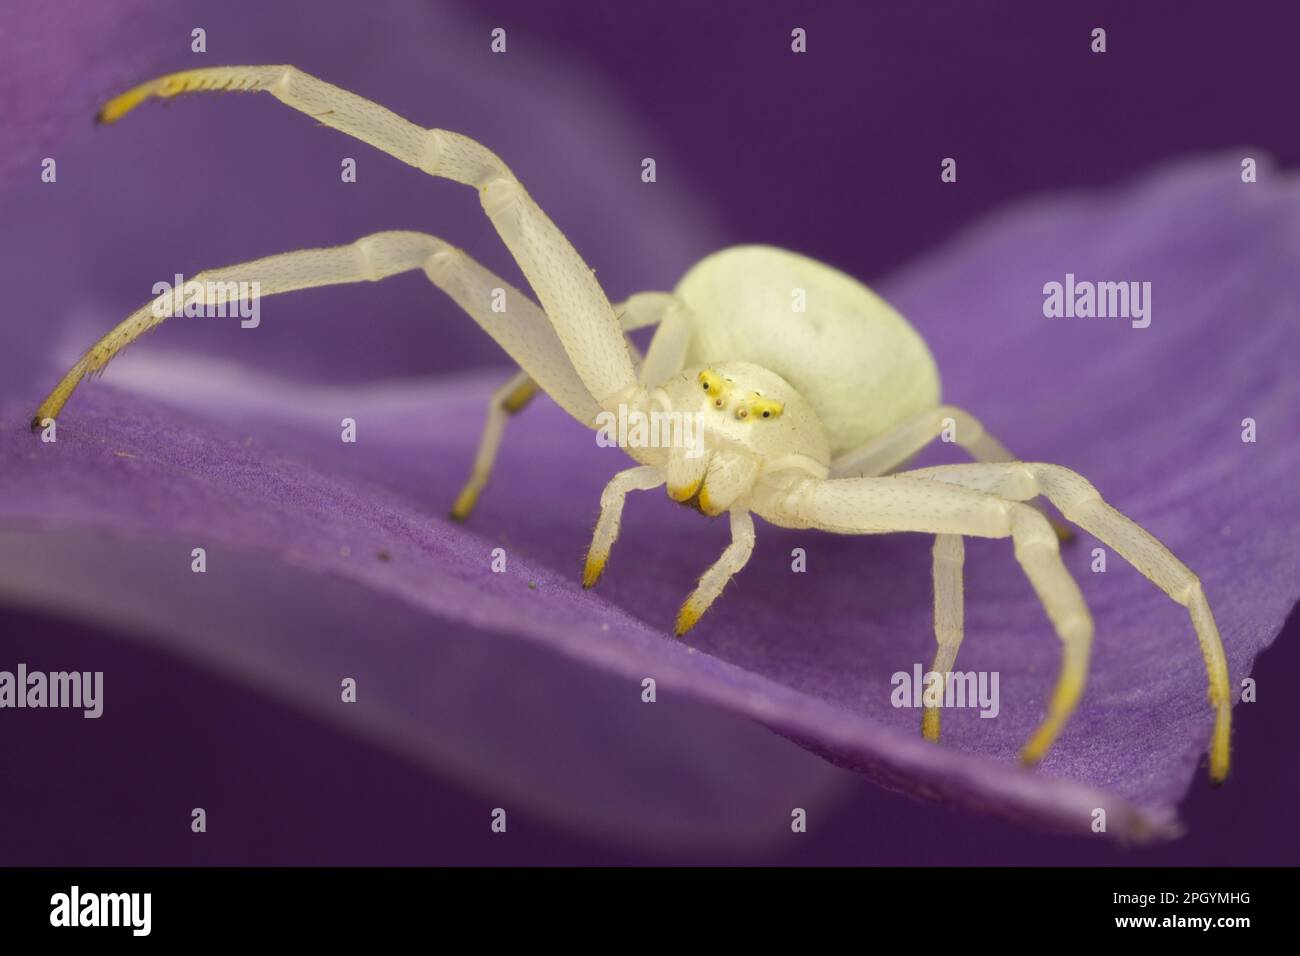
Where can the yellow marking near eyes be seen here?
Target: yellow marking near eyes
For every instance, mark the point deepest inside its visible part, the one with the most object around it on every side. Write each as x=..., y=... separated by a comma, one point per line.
x=715, y=386
x=759, y=407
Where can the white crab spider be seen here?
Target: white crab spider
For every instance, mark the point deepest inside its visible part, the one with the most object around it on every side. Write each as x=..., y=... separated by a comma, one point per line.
x=805, y=414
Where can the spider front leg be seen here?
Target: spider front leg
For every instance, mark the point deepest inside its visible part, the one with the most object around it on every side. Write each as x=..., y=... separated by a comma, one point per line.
x=1080, y=502
x=642, y=478
x=566, y=286
x=646, y=478
x=523, y=331
x=734, y=557
x=905, y=503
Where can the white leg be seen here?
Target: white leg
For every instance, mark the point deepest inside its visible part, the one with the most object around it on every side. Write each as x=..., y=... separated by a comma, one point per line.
x=667, y=350
x=886, y=452
x=641, y=478
x=667, y=353
x=949, y=555
x=564, y=283
x=889, y=451
x=641, y=310
x=522, y=330
x=1080, y=502
x=510, y=399
x=734, y=557
x=904, y=503
x=644, y=309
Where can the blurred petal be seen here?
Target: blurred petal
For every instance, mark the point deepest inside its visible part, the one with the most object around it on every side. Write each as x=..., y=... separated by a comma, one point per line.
x=57, y=59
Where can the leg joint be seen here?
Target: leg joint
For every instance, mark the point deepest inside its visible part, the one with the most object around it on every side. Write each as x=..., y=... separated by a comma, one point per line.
x=500, y=195
x=1030, y=530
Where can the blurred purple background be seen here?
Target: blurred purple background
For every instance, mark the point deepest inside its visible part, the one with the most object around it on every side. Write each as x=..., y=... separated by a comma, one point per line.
x=834, y=153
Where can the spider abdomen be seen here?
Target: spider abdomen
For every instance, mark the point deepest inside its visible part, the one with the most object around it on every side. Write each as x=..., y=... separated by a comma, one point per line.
x=859, y=363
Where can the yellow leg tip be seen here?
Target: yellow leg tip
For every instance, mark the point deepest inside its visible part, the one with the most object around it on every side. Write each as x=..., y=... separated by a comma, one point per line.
x=1041, y=742
x=688, y=617
x=465, y=502
x=120, y=105
x=519, y=398
x=1220, y=746
x=173, y=84
x=593, y=569
x=930, y=724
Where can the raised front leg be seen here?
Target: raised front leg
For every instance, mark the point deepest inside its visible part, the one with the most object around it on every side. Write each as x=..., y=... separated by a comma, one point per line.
x=564, y=283
x=522, y=330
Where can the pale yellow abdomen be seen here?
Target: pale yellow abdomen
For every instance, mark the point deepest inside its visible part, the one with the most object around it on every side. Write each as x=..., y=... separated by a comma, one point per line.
x=859, y=363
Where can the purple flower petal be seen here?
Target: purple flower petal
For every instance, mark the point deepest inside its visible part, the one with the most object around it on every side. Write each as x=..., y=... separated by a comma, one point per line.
x=808, y=655
x=252, y=464
x=58, y=60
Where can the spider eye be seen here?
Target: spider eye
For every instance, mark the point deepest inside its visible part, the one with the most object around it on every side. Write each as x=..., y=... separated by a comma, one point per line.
x=713, y=384
x=766, y=407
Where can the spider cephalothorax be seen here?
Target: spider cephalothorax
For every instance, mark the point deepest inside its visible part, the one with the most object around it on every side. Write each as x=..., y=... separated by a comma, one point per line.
x=745, y=426
x=810, y=393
